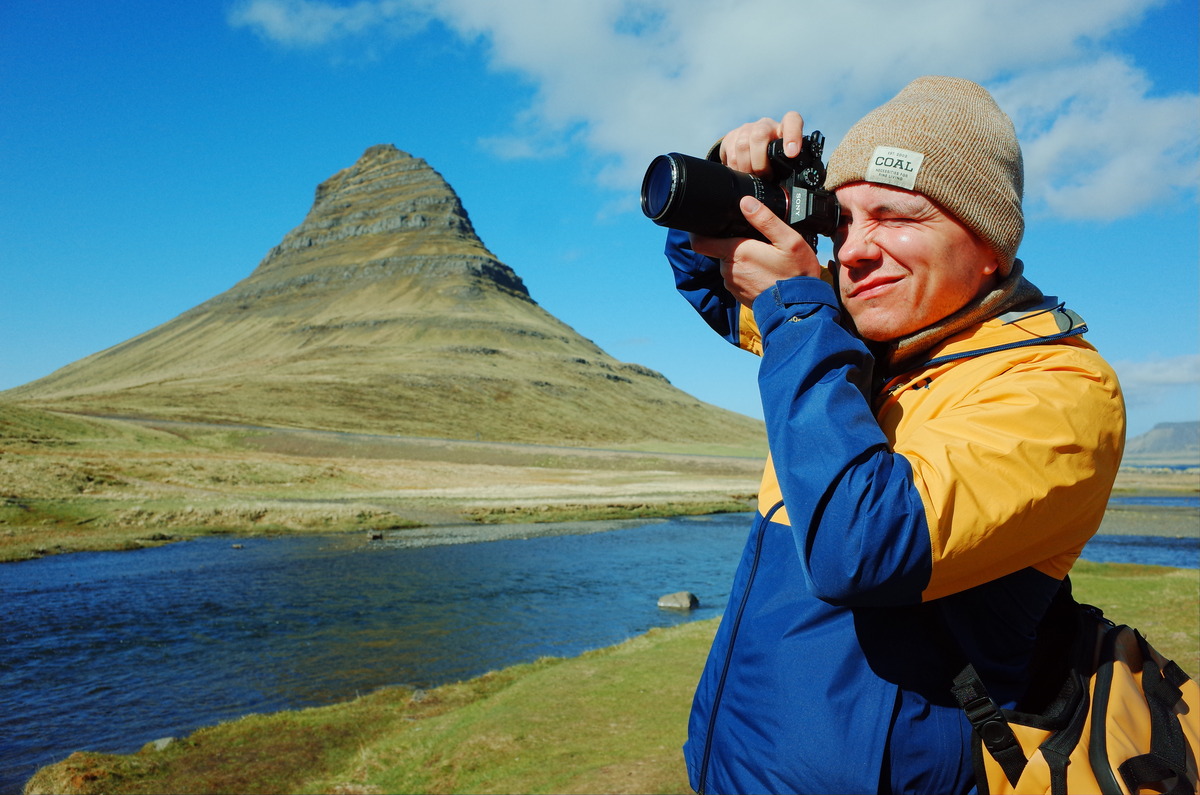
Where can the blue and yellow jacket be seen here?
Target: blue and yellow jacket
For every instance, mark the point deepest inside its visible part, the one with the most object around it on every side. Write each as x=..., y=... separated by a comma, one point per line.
x=957, y=493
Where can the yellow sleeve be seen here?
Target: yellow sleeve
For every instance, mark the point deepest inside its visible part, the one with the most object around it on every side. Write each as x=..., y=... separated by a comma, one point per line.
x=1018, y=473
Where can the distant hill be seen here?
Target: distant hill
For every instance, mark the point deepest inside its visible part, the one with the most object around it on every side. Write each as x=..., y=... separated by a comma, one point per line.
x=1166, y=444
x=383, y=312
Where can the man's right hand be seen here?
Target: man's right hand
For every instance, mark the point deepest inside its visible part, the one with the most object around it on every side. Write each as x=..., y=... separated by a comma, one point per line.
x=745, y=148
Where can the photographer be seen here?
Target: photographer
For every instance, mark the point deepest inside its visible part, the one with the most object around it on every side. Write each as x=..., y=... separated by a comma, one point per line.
x=942, y=445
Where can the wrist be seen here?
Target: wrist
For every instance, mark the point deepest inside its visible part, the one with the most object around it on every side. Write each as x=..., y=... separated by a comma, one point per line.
x=797, y=298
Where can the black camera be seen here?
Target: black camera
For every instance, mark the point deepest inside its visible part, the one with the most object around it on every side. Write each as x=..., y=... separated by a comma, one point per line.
x=701, y=196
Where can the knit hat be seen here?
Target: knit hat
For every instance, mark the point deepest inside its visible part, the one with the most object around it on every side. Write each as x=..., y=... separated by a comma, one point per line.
x=945, y=138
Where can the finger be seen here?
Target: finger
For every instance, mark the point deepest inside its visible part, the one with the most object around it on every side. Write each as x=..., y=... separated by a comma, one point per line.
x=739, y=150
x=764, y=220
x=745, y=148
x=715, y=247
x=729, y=147
x=762, y=132
x=791, y=130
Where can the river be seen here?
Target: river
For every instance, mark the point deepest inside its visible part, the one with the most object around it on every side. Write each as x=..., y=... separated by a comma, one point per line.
x=108, y=651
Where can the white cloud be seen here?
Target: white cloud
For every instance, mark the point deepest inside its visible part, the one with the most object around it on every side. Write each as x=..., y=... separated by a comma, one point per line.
x=1164, y=388
x=1096, y=143
x=309, y=23
x=1176, y=371
x=626, y=79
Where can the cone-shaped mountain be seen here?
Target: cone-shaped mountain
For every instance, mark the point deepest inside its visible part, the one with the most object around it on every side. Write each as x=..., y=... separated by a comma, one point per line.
x=383, y=312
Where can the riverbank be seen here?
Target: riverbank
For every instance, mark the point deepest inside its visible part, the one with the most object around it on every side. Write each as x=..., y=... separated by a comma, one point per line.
x=610, y=720
x=70, y=484
x=138, y=484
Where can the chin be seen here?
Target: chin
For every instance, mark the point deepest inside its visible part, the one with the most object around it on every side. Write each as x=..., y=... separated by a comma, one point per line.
x=878, y=330
x=876, y=324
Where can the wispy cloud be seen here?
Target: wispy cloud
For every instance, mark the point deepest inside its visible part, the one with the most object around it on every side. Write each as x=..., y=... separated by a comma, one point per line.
x=626, y=80
x=1097, y=142
x=1153, y=381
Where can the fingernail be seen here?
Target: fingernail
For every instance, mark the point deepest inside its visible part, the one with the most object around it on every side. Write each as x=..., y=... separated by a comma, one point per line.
x=791, y=149
x=750, y=204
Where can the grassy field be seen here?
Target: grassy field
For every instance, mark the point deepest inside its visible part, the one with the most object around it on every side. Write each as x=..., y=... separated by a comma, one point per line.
x=72, y=483
x=611, y=720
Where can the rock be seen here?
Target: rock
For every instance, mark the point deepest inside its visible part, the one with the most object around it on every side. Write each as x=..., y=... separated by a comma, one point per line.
x=680, y=600
x=374, y=535
x=161, y=743
x=238, y=546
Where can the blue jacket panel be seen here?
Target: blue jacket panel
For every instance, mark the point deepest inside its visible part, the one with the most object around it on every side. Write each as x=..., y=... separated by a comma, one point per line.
x=825, y=645
x=789, y=701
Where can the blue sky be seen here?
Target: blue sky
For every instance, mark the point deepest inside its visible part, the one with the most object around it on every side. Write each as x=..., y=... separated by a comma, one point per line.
x=151, y=153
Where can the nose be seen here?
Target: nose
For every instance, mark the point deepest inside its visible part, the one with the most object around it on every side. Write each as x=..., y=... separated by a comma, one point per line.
x=854, y=245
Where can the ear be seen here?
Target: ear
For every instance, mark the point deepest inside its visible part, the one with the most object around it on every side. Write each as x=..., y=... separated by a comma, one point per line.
x=992, y=266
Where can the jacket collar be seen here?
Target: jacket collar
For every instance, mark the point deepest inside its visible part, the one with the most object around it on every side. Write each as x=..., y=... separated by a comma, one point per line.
x=1014, y=292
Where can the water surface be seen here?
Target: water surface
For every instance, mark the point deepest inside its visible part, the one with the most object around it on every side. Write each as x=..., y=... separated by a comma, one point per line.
x=108, y=651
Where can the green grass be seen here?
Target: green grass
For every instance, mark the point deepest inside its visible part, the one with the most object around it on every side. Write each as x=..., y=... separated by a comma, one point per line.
x=1160, y=602
x=611, y=720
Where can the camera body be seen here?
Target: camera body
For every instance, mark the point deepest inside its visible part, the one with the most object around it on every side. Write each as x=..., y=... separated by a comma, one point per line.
x=701, y=196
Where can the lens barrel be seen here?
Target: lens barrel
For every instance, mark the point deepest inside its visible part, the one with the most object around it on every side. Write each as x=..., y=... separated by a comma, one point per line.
x=701, y=196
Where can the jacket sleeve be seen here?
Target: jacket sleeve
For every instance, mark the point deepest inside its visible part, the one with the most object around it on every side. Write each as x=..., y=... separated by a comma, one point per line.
x=698, y=280
x=858, y=521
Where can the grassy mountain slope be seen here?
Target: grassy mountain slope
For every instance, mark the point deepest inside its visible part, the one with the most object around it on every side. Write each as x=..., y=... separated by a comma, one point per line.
x=383, y=312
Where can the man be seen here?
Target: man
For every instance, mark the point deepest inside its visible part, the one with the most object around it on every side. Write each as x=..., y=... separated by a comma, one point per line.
x=943, y=443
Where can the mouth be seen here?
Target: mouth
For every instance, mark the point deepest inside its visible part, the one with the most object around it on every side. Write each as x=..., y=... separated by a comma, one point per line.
x=872, y=288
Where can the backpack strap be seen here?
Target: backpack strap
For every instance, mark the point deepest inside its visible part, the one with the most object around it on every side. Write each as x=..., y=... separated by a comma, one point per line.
x=1072, y=698
x=989, y=723
x=1081, y=622
x=1167, y=757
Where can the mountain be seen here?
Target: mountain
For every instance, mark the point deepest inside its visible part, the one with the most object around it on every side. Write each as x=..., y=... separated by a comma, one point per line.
x=1168, y=443
x=383, y=312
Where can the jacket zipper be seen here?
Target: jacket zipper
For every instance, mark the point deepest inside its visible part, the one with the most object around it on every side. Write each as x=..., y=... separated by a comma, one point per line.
x=737, y=622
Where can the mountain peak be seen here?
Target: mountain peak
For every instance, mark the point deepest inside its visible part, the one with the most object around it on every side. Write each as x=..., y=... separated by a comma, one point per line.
x=383, y=311
x=389, y=211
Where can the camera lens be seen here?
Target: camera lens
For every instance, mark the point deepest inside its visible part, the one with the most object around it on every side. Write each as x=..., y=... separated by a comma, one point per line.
x=701, y=196
x=658, y=186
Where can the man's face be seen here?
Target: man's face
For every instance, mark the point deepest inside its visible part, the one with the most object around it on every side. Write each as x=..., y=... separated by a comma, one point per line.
x=903, y=262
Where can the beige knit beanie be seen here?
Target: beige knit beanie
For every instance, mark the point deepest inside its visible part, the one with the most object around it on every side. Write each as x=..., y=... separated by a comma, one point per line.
x=946, y=138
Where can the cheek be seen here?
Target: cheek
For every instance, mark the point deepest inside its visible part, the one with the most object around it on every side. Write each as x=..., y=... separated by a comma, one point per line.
x=841, y=279
x=904, y=244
